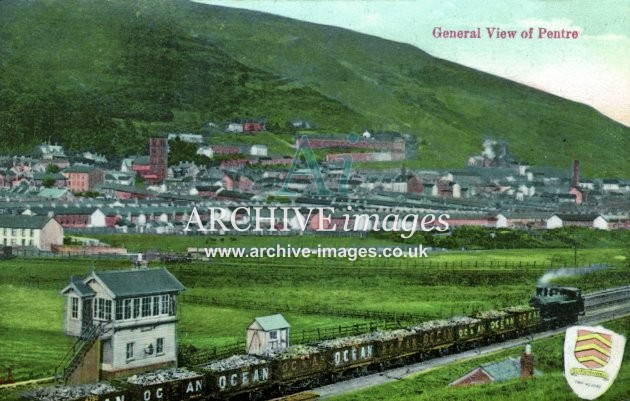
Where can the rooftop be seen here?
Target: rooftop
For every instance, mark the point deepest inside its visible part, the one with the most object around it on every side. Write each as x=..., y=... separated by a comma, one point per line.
x=33, y=222
x=79, y=169
x=79, y=287
x=273, y=322
x=139, y=282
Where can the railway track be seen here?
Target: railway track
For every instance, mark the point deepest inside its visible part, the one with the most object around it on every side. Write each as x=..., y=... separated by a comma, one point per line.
x=600, y=306
x=611, y=296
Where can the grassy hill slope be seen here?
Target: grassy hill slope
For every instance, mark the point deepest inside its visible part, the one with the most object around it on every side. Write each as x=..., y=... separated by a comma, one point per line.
x=108, y=74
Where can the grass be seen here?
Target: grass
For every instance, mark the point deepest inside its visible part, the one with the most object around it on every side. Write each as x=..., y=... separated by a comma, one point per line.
x=30, y=325
x=205, y=326
x=597, y=250
x=432, y=384
x=30, y=331
x=180, y=243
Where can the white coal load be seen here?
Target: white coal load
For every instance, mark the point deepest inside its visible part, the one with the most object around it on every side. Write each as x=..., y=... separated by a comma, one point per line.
x=387, y=335
x=491, y=314
x=233, y=362
x=293, y=352
x=343, y=342
x=431, y=325
x=459, y=320
x=66, y=393
x=161, y=376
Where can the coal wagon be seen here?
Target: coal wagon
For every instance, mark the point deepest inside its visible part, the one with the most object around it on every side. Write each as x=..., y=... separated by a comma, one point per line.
x=236, y=375
x=299, y=366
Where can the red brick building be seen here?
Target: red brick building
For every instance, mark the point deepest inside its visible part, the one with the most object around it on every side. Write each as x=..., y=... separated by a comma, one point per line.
x=225, y=149
x=83, y=178
x=158, y=158
x=234, y=163
x=414, y=184
x=153, y=169
x=496, y=372
x=236, y=182
x=253, y=127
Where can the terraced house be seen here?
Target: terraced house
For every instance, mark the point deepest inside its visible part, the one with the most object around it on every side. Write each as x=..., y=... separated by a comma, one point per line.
x=39, y=232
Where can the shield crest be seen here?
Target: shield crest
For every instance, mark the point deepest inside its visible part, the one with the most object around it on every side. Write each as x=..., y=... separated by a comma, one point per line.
x=592, y=349
x=592, y=358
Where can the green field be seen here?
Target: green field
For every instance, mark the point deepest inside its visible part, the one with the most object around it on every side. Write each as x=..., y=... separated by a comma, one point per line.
x=180, y=243
x=432, y=385
x=444, y=285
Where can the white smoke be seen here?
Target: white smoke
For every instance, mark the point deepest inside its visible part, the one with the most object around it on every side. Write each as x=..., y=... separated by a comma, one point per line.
x=488, y=148
x=568, y=272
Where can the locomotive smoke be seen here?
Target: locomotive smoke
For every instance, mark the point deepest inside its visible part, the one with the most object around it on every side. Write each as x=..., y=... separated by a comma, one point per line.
x=568, y=272
x=488, y=150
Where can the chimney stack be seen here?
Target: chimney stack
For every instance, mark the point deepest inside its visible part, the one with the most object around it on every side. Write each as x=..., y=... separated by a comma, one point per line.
x=527, y=363
x=139, y=263
x=575, y=179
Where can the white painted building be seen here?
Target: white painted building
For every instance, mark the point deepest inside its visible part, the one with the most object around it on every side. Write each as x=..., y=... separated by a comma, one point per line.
x=127, y=164
x=205, y=151
x=47, y=151
x=97, y=219
x=457, y=190
x=502, y=221
x=234, y=127
x=577, y=220
x=267, y=333
x=184, y=137
x=39, y=232
x=258, y=150
x=610, y=185
x=136, y=312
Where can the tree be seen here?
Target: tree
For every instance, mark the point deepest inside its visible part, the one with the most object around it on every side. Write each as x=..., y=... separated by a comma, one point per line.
x=181, y=151
x=52, y=168
x=48, y=182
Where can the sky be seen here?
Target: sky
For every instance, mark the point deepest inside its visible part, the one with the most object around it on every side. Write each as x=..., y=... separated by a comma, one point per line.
x=593, y=69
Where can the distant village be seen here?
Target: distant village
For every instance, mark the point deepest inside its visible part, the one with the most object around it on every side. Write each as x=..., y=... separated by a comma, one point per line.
x=51, y=193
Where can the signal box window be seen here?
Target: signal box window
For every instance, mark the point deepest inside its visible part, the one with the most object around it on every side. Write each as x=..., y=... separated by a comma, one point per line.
x=129, y=351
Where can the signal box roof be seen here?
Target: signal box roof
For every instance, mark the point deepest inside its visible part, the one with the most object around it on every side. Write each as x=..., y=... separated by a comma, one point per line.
x=138, y=282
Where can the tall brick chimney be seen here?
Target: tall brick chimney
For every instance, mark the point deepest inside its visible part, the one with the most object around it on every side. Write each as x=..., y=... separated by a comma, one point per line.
x=527, y=363
x=575, y=178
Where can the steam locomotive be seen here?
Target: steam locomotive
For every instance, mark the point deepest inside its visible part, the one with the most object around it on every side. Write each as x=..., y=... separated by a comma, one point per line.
x=305, y=366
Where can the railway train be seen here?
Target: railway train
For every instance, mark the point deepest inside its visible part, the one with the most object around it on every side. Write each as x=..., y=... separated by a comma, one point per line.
x=300, y=367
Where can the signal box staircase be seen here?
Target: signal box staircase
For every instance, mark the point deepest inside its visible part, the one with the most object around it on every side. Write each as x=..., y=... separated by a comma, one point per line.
x=81, y=364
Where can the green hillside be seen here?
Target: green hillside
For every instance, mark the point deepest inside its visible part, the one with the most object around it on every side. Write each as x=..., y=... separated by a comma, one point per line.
x=106, y=75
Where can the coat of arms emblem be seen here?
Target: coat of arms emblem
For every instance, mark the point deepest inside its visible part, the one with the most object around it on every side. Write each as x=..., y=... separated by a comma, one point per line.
x=592, y=358
x=592, y=349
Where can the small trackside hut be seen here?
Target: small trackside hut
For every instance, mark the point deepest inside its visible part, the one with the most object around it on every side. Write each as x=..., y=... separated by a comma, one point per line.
x=266, y=334
x=133, y=313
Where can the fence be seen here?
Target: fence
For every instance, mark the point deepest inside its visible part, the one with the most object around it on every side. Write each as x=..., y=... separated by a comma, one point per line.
x=303, y=309
x=188, y=356
x=37, y=253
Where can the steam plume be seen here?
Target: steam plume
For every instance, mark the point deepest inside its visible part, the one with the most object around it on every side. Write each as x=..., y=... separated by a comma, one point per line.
x=568, y=272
